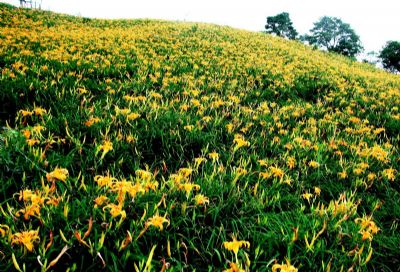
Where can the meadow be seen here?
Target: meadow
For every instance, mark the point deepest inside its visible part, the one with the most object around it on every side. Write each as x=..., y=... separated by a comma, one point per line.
x=149, y=145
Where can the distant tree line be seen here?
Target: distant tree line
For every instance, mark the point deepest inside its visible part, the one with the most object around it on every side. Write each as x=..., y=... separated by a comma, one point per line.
x=30, y=3
x=333, y=35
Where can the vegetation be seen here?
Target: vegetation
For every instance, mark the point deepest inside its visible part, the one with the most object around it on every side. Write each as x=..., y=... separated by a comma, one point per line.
x=390, y=56
x=281, y=25
x=159, y=145
x=332, y=34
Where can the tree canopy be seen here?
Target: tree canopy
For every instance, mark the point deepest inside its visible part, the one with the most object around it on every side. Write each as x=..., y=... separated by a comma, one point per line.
x=390, y=56
x=281, y=25
x=332, y=34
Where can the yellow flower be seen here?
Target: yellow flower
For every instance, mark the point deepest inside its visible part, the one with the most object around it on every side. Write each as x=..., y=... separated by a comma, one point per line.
x=32, y=142
x=264, y=175
x=291, y=162
x=188, y=127
x=185, y=172
x=25, y=113
x=234, y=268
x=240, y=141
x=198, y=161
x=390, y=174
x=235, y=245
x=371, y=176
x=342, y=175
x=156, y=95
x=30, y=210
x=144, y=174
x=313, y=164
x=39, y=111
x=229, y=127
x=307, y=196
x=3, y=230
x=132, y=116
x=201, y=200
x=25, y=195
x=284, y=267
x=276, y=172
x=91, y=121
x=240, y=172
x=157, y=221
x=366, y=235
x=106, y=147
x=57, y=174
x=213, y=155
x=188, y=187
x=123, y=187
x=100, y=200
x=26, y=238
x=104, y=181
x=116, y=210
x=317, y=191
x=368, y=227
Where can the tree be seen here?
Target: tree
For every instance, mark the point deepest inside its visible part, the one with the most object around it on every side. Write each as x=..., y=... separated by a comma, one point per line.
x=332, y=34
x=390, y=56
x=281, y=25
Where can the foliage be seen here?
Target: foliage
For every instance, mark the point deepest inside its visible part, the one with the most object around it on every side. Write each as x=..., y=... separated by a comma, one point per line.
x=332, y=34
x=390, y=56
x=281, y=25
x=154, y=145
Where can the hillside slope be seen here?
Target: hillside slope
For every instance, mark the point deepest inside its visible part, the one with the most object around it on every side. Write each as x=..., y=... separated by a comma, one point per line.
x=146, y=142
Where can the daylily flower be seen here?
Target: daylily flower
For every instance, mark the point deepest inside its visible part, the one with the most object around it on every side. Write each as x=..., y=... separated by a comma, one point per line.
x=104, y=181
x=284, y=267
x=313, y=164
x=157, y=221
x=234, y=268
x=214, y=156
x=198, y=161
x=3, y=230
x=201, y=200
x=115, y=210
x=106, y=147
x=390, y=174
x=39, y=111
x=26, y=238
x=100, y=201
x=240, y=141
x=235, y=245
x=57, y=174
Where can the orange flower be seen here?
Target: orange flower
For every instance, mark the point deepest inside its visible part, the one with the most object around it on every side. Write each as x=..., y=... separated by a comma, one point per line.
x=234, y=268
x=100, y=201
x=26, y=238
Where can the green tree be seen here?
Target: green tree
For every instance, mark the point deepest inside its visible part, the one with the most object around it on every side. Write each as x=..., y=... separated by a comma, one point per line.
x=281, y=25
x=390, y=56
x=332, y=34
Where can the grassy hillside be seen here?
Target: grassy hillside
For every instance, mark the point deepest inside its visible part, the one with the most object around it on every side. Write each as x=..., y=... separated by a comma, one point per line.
x=145, y=145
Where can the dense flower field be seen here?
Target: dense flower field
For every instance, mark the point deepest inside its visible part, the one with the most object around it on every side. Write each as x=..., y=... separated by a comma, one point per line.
x=147, y=145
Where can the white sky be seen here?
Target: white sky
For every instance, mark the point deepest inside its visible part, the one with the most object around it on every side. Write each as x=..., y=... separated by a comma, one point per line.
x=374, y=21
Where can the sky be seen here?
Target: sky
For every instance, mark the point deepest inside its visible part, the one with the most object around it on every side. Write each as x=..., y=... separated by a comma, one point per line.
x=376, y=22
